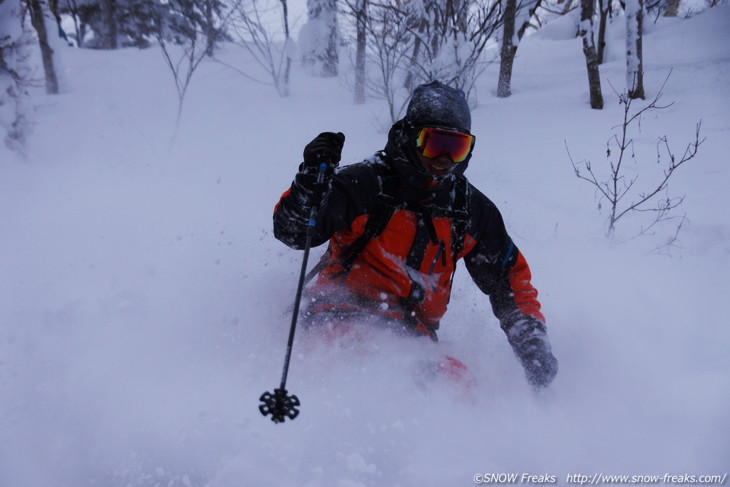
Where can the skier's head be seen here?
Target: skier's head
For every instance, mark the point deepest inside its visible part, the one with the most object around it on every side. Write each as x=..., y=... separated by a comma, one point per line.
x=433, y=139
x=435, y=104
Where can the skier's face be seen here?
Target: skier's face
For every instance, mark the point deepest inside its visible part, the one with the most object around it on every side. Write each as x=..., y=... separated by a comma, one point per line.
x=438, y=166
x=439, y=149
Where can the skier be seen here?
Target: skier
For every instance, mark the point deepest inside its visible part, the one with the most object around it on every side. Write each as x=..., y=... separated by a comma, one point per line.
x=398, y=223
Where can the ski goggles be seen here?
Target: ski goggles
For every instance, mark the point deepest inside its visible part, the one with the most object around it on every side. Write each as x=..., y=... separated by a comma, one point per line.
x=433, y=142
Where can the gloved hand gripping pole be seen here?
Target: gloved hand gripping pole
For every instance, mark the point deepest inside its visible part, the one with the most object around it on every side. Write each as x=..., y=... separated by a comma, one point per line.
x=280, y=404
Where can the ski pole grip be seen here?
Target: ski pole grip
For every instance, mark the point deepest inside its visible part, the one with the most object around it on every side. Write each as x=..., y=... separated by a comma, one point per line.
x=322, y=172
x=319, y=189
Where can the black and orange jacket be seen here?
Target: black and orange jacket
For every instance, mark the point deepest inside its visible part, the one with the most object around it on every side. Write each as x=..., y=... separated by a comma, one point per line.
x=406, y=270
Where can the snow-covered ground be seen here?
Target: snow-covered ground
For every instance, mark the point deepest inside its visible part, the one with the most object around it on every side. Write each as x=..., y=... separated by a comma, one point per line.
x=144, y=300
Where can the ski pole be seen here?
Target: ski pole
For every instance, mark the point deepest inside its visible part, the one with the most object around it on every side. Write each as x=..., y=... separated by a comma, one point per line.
x=280, y=404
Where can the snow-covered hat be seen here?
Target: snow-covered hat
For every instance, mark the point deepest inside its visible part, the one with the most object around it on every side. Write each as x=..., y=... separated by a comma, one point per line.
x=437, y=104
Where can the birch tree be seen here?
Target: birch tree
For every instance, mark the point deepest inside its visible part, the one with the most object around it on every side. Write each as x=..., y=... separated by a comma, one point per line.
x=634, y=50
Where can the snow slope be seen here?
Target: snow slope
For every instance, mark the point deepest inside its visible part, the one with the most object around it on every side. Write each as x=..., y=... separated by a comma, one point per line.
x=144, y=301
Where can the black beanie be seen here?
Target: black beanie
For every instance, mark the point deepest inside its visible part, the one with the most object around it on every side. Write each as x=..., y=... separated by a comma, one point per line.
x=437, y=104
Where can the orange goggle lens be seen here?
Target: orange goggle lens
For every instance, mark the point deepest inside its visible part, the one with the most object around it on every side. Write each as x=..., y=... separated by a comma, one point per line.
x=433, y=142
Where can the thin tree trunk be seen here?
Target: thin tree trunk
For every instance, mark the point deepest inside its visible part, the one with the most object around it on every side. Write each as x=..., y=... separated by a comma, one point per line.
x=108, y=9
x=508, y=51
x=37, y=19
x=411, y=75
x=605, y=8
x=589, y=50
x=210, y=30
x=361, y=44
x=515, y=24
x=331, y=60
x=284, y=89
x=523, y=28
x=408, y=83
x=634, y=50
x=672, y=8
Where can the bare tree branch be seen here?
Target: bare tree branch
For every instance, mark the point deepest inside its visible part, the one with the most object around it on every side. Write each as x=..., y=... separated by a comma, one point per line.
x=621, y=193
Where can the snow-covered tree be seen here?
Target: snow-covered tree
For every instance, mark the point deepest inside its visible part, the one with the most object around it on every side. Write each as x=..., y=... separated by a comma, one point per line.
x=15, y=74
x=517, y=14
x=409, y=43
x=449, y=37
x=212, y=23
x=107, y=24
x=81, y=13
x=319, y=38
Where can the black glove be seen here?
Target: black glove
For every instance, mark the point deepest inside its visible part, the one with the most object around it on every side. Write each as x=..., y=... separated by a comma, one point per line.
x=327, y=148
x=537, y=359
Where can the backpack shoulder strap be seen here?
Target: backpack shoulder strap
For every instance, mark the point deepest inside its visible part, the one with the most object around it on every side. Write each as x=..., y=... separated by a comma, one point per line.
x=461, y=216
x=379, y=216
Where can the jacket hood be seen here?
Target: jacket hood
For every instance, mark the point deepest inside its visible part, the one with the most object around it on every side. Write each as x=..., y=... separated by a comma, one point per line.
x=438, y=104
